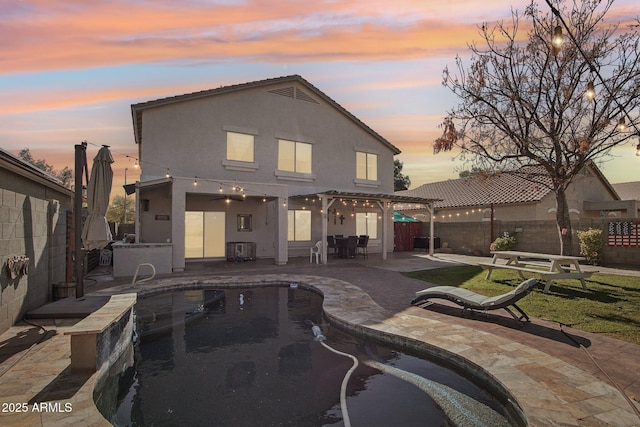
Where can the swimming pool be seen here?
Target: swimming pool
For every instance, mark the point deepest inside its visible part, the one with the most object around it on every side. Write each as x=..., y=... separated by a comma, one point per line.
x=250, y=357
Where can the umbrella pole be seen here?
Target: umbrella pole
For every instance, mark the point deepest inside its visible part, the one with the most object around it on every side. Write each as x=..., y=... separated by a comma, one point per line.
x=80, y=151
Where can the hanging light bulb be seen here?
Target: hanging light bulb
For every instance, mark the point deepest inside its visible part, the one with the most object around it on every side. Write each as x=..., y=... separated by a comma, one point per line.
x=195, y=181
x=136, y=165
x=220, y=189
x=621, y=124
x=168, y=174
x=590, y=93
x=557, y=39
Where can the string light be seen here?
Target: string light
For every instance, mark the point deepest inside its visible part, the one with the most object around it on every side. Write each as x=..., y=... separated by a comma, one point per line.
x=236, y=188
x=590, y=93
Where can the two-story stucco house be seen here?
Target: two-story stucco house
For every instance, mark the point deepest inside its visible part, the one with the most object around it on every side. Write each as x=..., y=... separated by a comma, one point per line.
x=274, y=163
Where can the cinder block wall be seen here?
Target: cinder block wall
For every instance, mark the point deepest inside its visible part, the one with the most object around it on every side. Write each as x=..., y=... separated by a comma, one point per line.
x=33, y=223
x=474, y=238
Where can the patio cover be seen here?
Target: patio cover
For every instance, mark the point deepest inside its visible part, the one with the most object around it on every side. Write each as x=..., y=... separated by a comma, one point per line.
x=383, y=200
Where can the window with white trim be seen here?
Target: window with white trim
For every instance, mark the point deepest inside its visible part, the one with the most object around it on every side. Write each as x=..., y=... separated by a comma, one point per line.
x=366, y=166
x=299, y=226
x=240, y=147
x=294, y=156
x=367, y=224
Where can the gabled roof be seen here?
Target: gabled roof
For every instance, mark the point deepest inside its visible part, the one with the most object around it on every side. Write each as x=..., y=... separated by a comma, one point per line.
x=478, y=190
x=137, y=109
x=530, y=184
x=628, y=190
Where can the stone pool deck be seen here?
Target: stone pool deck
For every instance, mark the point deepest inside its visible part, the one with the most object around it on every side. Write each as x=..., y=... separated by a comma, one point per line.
x=553, y=380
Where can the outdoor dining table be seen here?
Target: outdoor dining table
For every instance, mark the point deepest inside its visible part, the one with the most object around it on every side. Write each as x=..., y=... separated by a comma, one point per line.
x=548, y=266
x=343, y=250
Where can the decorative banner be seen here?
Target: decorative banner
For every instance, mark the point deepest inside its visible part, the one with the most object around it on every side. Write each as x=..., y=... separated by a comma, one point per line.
x=624, y=233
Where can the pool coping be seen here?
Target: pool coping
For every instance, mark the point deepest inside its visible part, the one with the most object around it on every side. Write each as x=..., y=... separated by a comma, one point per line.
x=548, y=390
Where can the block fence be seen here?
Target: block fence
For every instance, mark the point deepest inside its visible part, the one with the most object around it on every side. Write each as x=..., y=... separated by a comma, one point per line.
x=474, y=238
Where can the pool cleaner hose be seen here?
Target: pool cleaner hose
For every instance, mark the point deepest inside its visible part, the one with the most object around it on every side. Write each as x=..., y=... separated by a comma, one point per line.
x=318, y=336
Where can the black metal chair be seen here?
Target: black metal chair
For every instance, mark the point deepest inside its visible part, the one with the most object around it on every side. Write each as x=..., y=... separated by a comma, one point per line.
x=363, y=241
x=352, y=246
x=331, y=244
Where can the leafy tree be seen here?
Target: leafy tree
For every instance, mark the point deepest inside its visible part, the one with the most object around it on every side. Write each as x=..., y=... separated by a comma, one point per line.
x=65, y=175
x=524, y=101
x=115, y=211
x=400, y=181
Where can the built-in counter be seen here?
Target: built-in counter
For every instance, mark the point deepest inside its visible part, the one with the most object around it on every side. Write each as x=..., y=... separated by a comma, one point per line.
x=127, y=257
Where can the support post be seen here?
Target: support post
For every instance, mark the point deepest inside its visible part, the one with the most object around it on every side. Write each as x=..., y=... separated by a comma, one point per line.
x=80, y=163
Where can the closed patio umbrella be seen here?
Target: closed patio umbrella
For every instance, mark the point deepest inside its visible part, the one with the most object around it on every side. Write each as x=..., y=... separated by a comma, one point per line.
x=96, y=233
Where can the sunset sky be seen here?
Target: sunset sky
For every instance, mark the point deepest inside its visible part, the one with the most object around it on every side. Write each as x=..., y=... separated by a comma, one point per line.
x=70, y=70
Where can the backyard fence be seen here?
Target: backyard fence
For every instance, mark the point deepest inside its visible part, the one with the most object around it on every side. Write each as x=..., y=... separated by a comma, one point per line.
x=621, y=238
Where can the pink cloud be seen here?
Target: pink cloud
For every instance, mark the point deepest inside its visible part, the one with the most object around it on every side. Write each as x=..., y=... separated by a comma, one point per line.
x=113, y=33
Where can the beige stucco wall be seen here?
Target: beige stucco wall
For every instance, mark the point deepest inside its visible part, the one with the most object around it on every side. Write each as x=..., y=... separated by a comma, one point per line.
x=189, y=139
x=33, y=223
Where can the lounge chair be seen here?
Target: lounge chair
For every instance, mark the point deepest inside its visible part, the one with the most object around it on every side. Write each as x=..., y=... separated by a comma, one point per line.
x=473, y=301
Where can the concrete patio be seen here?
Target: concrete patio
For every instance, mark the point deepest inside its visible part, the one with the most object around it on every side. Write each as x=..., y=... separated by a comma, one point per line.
x=555, y=381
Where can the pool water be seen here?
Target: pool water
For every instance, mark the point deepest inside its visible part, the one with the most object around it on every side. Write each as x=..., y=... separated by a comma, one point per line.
x=247, y=357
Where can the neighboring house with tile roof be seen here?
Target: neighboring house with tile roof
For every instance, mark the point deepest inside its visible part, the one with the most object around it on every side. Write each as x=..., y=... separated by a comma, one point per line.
x=275, y=163
x=513, y=196
x=34, y=221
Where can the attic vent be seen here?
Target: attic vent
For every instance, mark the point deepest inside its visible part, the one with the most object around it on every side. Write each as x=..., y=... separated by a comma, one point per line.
x=285, y=91
x=304, y=97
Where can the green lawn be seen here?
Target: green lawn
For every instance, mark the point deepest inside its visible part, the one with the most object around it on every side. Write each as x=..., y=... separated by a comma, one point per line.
x=609, y=306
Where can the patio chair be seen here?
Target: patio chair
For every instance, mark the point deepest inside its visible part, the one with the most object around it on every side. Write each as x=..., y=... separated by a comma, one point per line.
x=105, y=257
x=473, y=301
x=363, y=241
x=331, y=244
x=352, y=246
x=317, y=251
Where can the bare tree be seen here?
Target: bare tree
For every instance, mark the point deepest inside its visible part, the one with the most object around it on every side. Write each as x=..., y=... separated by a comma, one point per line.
x=528, y=101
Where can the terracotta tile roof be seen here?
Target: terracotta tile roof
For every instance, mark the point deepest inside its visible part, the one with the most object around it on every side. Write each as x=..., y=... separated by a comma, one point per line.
x=628, y=190
x=504, y=188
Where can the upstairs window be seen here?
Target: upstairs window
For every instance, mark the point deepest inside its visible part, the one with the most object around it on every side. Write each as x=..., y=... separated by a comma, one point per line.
x=294, y=156
x=240, y=147
x=366, y=166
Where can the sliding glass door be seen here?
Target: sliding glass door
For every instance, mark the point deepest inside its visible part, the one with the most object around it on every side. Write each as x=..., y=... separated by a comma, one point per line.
x=204, y=234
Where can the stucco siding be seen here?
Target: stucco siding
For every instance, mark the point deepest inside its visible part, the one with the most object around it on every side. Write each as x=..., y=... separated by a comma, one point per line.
x=190, y=138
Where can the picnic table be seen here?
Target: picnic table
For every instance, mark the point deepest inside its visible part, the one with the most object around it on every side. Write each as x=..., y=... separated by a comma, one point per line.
x=548, y=266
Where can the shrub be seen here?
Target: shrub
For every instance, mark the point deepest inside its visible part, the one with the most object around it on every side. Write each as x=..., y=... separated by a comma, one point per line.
x=504, y=243
x=591, y=244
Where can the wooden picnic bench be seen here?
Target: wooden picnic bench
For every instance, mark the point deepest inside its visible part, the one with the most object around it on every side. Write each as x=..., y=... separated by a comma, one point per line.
x=549, y=267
